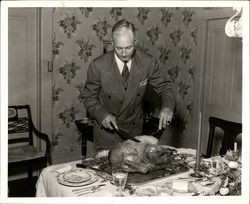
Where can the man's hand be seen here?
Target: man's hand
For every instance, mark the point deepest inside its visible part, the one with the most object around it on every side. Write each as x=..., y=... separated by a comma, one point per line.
x=166, y=116
x=109, y=122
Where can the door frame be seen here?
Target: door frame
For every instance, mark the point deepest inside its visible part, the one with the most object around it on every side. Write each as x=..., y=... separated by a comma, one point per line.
x=202, y=19
x=46, y=19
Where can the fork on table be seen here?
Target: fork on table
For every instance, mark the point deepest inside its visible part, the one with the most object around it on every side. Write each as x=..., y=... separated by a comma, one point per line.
x=85, y=190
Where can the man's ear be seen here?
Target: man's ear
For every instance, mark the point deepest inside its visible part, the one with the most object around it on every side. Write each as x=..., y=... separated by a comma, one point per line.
x=113, y=44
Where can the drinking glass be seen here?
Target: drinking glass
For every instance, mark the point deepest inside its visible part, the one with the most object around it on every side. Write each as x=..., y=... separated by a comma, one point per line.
x=120, y=179
x=217, y=165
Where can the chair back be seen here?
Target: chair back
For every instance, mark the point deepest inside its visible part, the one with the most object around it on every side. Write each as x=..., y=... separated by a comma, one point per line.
x=231, y=131
x=20, y=125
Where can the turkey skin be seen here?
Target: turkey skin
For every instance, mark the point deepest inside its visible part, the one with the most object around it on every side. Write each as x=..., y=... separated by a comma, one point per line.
x=144, y=156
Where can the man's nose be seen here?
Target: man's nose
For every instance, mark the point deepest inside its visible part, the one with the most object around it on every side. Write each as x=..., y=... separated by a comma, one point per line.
x=124, y=53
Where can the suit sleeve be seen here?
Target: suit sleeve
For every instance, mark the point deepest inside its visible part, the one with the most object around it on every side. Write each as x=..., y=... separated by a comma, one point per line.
x=91, y=94
x=162, y=86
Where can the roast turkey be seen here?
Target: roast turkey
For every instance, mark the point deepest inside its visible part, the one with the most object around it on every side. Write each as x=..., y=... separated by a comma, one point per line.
x=143, y=156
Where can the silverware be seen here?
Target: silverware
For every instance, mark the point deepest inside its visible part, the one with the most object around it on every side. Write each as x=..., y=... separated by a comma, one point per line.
x=90, y=188
x=207, y=183
x=124, y=134
x=87, y=192
x=155, y=132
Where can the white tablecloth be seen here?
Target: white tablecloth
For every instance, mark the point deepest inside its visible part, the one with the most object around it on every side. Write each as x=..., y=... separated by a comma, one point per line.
x=48, y=186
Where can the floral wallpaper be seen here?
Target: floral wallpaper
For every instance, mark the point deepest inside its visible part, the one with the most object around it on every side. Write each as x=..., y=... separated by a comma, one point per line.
x=170, y=34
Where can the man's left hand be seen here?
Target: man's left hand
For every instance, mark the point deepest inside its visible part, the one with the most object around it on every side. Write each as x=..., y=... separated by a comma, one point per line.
x=166, y=116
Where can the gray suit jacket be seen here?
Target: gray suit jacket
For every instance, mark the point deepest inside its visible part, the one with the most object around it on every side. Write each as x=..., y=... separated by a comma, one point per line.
x=104, y=93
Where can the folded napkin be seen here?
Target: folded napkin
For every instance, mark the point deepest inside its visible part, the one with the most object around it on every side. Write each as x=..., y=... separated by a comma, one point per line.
x=63, y=169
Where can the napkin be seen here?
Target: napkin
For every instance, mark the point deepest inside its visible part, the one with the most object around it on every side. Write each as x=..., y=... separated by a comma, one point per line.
x=63, y=169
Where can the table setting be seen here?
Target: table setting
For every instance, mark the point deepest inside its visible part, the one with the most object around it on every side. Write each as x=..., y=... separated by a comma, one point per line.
x=86, y=177
x=142, y=167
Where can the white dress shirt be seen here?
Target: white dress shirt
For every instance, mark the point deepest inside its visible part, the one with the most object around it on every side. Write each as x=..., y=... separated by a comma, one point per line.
x=120, y=64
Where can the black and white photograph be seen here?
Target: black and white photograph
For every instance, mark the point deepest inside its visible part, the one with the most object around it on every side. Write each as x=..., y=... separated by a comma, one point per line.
x=124, y=101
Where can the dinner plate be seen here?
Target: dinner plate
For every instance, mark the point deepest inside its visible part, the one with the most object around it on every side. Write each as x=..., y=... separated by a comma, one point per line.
x=76, y=178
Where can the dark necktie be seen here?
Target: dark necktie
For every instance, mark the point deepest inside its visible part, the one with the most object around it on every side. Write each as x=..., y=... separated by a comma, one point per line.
x=125, y=73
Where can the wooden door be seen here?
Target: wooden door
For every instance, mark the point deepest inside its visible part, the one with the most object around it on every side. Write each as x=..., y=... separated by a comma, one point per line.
x=23, y=75
x=222, y=92
x=23, y=63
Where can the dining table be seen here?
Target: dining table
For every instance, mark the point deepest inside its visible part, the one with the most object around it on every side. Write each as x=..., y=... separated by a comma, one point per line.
x=52, y=181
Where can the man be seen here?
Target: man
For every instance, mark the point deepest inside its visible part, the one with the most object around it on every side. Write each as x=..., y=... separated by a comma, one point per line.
x=115, y=86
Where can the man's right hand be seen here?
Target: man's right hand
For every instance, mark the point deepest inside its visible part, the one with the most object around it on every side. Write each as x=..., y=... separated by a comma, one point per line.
x=108, y=121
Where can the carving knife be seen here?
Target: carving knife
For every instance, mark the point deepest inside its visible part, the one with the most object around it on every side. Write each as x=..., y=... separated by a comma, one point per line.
x=124, y=134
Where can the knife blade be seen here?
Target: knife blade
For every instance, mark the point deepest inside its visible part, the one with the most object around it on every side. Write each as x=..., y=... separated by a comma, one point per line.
x=124, y=134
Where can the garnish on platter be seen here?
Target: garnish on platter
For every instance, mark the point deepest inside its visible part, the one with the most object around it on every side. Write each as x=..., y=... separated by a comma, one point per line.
x=231, y=179
x=233, y=165
x=231, y=155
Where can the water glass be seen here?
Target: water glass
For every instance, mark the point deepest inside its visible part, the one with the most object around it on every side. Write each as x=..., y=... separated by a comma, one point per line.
x=120, y=179
x=217, y=164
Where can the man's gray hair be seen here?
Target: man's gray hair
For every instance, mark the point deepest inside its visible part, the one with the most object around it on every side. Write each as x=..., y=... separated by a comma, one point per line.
x=119, y=25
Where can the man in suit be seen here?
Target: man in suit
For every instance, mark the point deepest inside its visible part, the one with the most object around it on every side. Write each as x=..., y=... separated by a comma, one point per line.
x=115, y=87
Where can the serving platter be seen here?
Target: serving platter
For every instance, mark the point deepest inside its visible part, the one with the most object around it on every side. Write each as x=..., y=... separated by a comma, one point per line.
x=136, y=178
x=177, y=166
x=77, y=177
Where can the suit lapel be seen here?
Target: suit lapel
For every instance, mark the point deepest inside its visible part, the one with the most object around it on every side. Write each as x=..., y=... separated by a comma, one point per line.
x=115, y=77
x=133, y=81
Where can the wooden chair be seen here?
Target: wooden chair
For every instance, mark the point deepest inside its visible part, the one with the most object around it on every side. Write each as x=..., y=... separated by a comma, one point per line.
x=21, y=151
x=231, y=130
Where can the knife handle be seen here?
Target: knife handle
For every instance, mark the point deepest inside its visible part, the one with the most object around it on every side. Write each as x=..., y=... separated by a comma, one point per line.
x=81, y=166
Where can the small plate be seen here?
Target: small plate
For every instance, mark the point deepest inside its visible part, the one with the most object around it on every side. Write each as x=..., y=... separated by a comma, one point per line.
x=76, y=177
x=76, y=172
x=146, y=191
x=151, y=190
x=190, y=190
